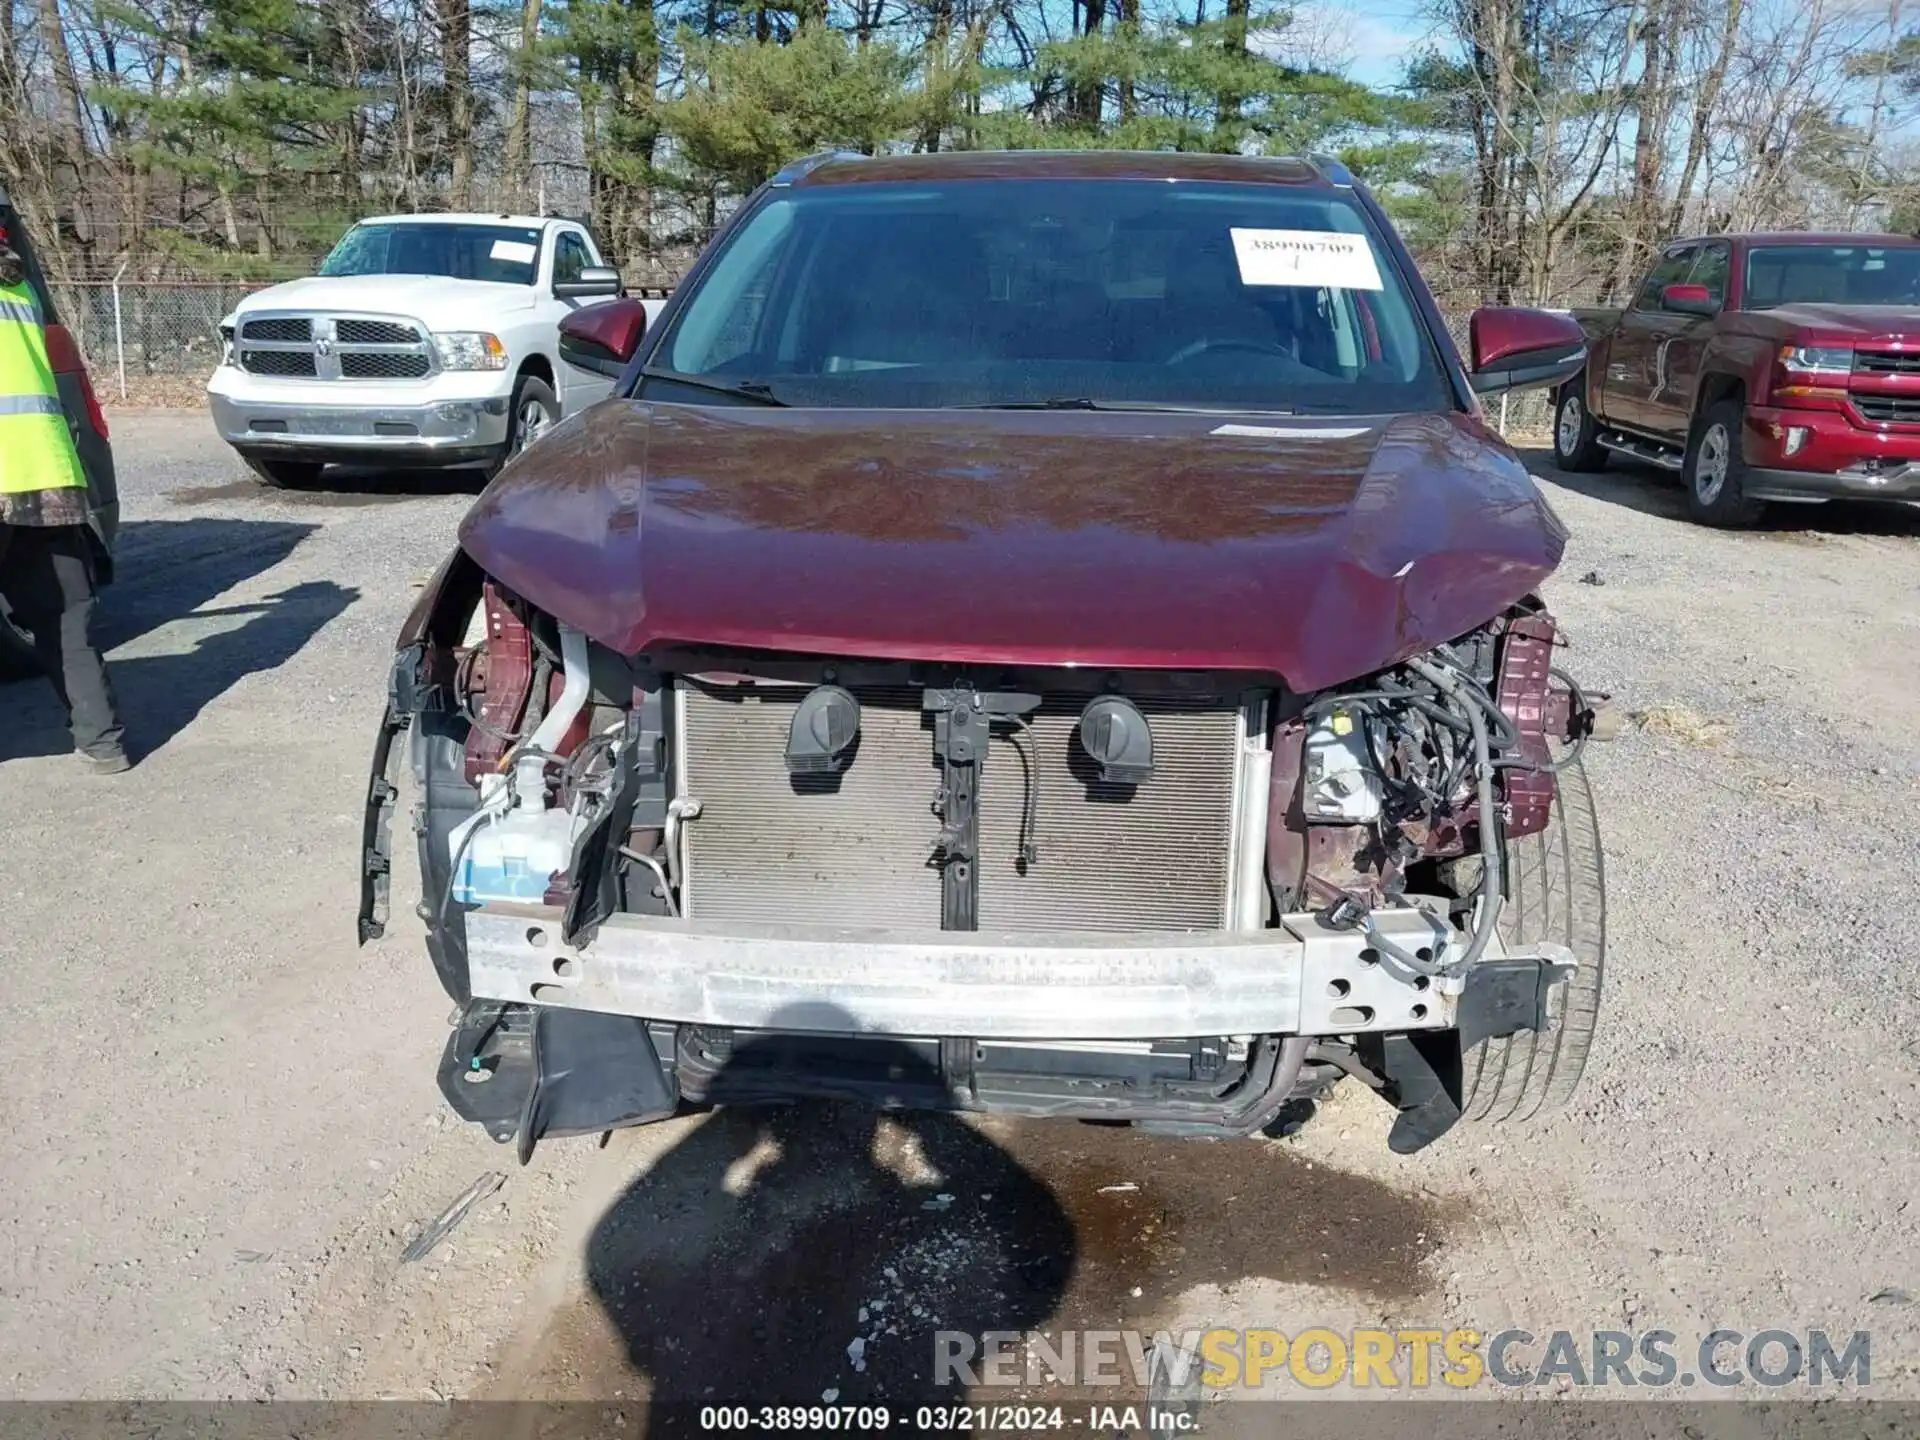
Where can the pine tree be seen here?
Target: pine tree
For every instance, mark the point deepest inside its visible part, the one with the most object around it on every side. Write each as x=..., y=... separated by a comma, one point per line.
x=252, y=117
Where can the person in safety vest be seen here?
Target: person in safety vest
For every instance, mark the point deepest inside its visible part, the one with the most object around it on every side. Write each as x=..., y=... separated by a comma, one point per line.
x=46, y=560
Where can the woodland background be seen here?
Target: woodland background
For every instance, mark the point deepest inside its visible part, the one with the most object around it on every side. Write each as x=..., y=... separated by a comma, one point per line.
x=1531, y=150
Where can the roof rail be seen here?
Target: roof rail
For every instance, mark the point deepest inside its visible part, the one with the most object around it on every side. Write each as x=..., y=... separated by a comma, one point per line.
x=800, y=169
x=1336, y=173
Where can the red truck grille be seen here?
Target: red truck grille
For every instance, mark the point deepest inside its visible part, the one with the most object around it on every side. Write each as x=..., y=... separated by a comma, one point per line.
x=1889, y=409
x=1887, y=362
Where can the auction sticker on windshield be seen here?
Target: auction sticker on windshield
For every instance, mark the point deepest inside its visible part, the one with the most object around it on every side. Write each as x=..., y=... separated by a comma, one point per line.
x=1305, y=257
x=517, y=251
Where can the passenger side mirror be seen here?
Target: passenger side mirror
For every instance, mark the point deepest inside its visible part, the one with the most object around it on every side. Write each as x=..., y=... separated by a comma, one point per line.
x=596, y=282
x=602, y=338
x=1514, y=349
x=1689, y=300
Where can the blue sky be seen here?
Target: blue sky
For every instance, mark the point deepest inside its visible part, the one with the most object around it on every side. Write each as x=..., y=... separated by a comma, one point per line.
x=1374, y=37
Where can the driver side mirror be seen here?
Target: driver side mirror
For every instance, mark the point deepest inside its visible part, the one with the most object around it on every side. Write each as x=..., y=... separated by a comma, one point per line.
x=596, y=282
x=1689, y=300
x=602, y=338
x=1515, y=349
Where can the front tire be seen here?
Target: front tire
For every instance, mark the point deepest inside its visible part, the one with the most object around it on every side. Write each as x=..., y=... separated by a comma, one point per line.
x=1576, y=438
x=285, y=474
x=533, y=412
x=1556, y=893
x=1716, y=469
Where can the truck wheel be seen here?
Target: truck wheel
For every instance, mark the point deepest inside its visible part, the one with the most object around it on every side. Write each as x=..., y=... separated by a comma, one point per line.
x=1716, y=469
x=1576, y=439
x=285, y=474
x=1556, y=893
x=534, y=412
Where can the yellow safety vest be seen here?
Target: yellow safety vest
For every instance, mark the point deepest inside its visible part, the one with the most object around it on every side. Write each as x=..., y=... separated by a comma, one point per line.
x=36, y=448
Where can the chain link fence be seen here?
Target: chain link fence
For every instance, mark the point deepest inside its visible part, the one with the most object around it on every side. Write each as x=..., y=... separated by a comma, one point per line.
x=157, y=342
x=133, y=332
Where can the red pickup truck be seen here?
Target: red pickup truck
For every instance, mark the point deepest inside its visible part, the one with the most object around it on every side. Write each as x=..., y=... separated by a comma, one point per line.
x=1761, y=368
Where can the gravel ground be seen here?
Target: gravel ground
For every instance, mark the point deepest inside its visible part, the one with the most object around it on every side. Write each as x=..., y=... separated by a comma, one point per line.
x=223, y=1126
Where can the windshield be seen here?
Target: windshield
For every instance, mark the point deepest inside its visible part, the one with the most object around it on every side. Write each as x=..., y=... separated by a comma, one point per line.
x=505, y=254
x=1832, y=275
x=1021, y=292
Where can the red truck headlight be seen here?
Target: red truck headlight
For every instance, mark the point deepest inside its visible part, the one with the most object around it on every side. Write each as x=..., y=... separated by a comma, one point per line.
x=1816, y=360
x=1812, y=372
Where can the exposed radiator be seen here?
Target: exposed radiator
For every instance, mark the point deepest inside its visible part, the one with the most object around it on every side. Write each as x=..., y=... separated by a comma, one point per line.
x=855, y=848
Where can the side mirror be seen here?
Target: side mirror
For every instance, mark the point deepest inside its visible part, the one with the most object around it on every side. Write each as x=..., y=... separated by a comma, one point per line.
x=596, y=282
x=1514, y=349
x=602, y=338
x=1689, y=300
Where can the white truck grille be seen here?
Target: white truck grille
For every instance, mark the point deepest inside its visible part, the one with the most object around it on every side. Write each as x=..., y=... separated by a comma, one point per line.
x=334, y=347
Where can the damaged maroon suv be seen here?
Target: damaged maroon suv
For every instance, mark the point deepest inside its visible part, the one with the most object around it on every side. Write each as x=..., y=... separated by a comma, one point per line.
x=1049, y=634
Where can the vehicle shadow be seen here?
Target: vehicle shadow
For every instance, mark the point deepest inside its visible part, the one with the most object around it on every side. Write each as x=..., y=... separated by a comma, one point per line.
x=168, y=572
x=781, y=1254
x=1650, y=491
x=341, y=487
x=168, y=568
x=819, y=1253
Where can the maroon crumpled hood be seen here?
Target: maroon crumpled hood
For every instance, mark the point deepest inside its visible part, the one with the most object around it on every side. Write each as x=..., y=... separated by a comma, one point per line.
x=1315, y=550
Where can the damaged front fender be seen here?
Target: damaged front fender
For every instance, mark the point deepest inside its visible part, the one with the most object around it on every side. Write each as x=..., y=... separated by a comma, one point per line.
x=418, y=687
x=376, y=831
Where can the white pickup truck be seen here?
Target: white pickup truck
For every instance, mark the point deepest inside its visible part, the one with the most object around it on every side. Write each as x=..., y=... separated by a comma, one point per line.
x=425, y=340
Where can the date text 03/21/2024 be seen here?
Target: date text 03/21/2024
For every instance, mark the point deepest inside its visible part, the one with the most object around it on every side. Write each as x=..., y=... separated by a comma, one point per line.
x=959, y=1419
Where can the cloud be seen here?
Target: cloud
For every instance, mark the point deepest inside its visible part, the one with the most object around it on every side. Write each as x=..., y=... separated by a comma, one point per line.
x=1343, y=36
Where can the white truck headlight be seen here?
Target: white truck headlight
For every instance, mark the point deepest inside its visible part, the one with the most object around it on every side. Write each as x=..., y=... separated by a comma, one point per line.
x=470, y=350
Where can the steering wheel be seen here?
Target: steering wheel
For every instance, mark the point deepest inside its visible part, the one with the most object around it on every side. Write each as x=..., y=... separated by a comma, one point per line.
x=1250, y=347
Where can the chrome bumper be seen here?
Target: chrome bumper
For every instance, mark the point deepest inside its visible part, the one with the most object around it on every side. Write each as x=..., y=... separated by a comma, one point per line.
x=275, y=425
x=1894, y=482
x=1301, y=978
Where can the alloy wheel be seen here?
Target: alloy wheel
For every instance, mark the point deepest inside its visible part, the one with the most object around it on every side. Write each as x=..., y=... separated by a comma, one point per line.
x=530, y=424
x=1711, y=464
x=1567, y=434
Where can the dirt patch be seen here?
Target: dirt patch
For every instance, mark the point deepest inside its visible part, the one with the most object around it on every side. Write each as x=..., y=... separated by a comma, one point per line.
x=1677, y=721
x=779, y=1257
x=150, y=392
x=1216, y=1212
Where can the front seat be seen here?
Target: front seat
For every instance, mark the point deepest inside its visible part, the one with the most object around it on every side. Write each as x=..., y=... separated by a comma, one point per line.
x=1208, y=306
x=893, y=316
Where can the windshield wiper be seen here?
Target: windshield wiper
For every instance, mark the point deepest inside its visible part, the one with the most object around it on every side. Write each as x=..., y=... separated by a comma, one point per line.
x=1058, y=402
x=757, y=391
x=1082, y=402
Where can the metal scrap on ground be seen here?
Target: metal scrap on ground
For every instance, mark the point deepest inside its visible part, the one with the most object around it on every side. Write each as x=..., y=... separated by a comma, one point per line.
x=450, y=1218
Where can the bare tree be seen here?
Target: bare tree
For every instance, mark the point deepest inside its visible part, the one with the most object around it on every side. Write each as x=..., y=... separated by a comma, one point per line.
x=455, y=18
x=520, y=120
